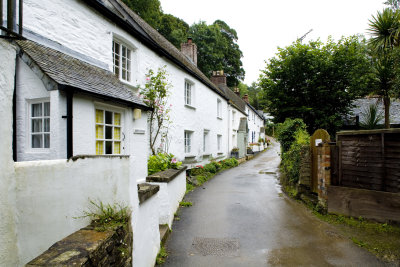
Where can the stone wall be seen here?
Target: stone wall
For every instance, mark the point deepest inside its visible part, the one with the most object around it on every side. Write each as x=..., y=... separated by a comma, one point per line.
x=88, y=247
x=305, y=167
x=324, y=172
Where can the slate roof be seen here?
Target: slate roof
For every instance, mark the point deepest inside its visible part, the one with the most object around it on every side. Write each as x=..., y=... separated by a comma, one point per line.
x=69, y=71
x=235, y=100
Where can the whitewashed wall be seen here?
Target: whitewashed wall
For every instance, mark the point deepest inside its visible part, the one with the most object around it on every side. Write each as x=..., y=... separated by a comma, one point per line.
x=233, y=127
x=254, y=123
x=51, y=193
x=29, y=89
x=146, y=238
x=8, y=244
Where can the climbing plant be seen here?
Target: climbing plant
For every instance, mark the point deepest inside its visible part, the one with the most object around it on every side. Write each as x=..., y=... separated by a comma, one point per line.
x=155, y=95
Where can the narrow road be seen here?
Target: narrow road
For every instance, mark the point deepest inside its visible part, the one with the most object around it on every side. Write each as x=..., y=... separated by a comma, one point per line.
x=241, y=218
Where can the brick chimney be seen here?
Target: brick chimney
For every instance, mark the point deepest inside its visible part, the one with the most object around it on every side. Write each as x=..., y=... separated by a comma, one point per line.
x=246, y=98
x=218, y=77
x=189, y=49
x=237, y=91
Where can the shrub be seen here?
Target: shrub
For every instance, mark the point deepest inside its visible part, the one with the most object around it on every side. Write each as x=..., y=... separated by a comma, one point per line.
x=229, y=163
x=199, y=170
x=291, y=159
x=217, y=165
x=210, y=168
x=161, y=162
x=286, y=132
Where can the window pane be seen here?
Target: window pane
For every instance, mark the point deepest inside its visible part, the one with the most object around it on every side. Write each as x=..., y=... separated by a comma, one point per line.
x=46, y=140
x=36, y=125
x=117, y=133
x=109, y=117
x=37, y=141
x=99, y=116
x=117, y=147
x=37, y=110
x=46, y=109
x=99, y=147
x=117, y=119
x=99, y=131
x=46, y=125
x=109, y=132
x=109, y=147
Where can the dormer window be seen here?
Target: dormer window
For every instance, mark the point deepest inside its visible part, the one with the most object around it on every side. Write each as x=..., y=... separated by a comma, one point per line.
x=122, y=61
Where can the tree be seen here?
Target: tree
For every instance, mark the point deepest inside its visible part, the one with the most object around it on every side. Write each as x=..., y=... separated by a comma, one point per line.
x=316, y=82
x=218, y=50
x=174, y=29
x=385, y=30
x=394, y=4
x=149, y=10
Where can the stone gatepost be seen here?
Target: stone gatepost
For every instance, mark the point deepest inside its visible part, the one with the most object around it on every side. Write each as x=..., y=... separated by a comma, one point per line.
x=324, y=173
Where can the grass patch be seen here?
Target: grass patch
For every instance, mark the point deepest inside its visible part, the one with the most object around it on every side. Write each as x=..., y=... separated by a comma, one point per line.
x=161, y=256
x=105, y=216
x=381, y=239
x=185, y=204
x=189, y=187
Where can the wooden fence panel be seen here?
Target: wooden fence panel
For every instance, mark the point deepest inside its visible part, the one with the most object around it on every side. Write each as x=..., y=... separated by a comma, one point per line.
x=369, y=160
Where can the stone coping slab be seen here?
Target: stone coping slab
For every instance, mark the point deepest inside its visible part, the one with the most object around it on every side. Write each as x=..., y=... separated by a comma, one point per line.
x=146, y=191
x=165, y=176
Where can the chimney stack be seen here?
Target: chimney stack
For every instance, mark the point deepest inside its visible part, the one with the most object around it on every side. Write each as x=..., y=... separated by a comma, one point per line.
x=189, y=49
x=246, y=98
x=218, y=77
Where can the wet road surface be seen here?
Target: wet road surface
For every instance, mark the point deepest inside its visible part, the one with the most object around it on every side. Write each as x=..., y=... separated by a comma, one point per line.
x=241, y=218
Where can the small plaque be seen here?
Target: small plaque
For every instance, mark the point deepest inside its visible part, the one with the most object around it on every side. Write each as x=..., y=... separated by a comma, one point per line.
x=318, y=141
x=139, y=131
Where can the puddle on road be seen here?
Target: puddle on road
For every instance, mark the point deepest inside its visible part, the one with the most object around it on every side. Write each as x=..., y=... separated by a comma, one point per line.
x=267, y=171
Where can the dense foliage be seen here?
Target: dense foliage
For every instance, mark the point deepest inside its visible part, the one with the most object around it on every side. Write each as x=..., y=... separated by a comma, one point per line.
x=216, y=43
x=293, y=137
x=161, y=162
x=218, y=50
x=316, y=82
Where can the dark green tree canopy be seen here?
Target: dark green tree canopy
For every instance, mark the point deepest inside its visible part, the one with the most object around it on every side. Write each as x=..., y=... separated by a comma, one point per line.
x=149, y=10
x=218, y=50
x=316, y=82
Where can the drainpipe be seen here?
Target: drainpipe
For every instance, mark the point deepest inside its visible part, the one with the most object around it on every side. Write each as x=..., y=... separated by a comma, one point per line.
x=14, y=143
x=70, y=94
x=229, y=128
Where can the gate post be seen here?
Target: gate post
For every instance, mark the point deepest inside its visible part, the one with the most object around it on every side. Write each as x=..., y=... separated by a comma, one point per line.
x=324, y=172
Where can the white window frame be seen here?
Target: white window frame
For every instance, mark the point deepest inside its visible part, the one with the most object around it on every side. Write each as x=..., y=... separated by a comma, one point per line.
x=219, y=142
x=219, y=108
x=113, y=126
x=41, y=101
x=129, y=58
x=205, y=140
x=188, y=93
x=188, y=141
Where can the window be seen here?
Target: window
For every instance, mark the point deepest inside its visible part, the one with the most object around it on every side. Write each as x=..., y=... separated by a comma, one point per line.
x=108, y=132
x=122, y=61
x=205, y=141
x=40, y=125
x=219, y=142
x=188, y=141
x=219, y=108
x=233, y=117
x=188, y=93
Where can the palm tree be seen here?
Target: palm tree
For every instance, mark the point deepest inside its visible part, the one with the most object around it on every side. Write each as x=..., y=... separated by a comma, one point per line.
x=385, y=31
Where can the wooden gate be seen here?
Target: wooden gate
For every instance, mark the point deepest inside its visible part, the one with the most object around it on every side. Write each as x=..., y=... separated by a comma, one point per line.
x=319, y=136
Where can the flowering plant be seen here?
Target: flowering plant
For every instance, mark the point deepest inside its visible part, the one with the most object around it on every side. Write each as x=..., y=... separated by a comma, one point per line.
x=155, y=95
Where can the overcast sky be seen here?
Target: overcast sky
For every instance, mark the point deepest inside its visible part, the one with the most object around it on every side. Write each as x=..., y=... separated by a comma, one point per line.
x=263, y=25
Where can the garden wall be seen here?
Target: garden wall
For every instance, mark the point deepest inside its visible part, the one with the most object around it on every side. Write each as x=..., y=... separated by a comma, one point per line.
x=50, y=194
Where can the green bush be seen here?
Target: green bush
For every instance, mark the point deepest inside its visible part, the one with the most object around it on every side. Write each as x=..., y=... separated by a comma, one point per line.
x=199, y=170
x=210, y=167
x=291, y=159
x=161, y=162
x=229, y=163
x=217, y=165
x=286, y=132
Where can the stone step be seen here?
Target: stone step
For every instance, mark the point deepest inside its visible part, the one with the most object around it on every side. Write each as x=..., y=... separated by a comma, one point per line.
x=164, y=233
